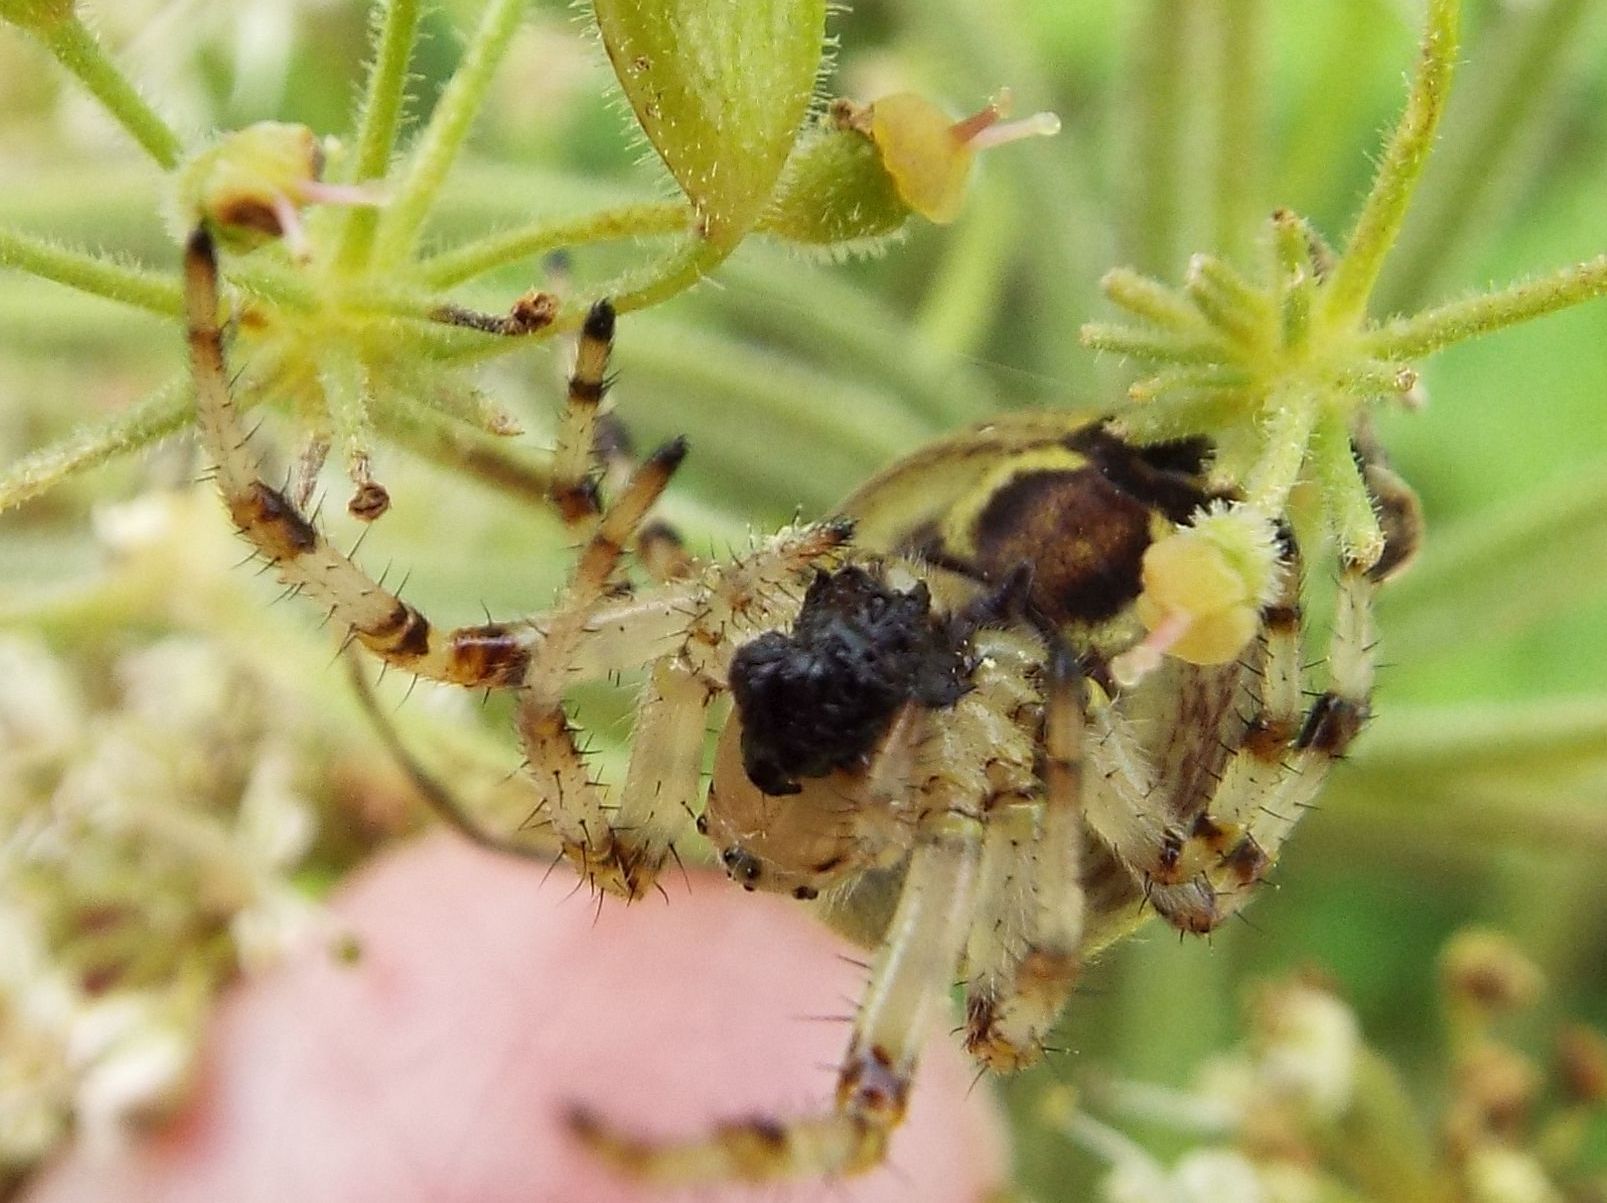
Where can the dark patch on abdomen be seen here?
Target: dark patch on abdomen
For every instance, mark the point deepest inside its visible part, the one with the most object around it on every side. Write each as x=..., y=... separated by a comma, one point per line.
x=1084, y=538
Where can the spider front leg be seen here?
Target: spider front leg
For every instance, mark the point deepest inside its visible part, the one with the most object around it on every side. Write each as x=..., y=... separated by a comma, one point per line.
x=1269, y=803
x=1273, y=770
x=489, y=655
x=589, y=634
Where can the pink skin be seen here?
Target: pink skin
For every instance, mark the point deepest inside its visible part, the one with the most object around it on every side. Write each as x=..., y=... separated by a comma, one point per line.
x=438, y=1066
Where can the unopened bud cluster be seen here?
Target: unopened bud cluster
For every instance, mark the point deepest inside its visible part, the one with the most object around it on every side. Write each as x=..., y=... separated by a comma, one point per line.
x=150, y=816
x=1307, y=1109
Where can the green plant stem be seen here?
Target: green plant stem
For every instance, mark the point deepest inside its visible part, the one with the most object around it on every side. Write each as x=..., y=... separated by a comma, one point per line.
x=1236, y=178
x=1156, y=93
x=1424, y=333
x=342, y=381
x=677, y=271
x=959, y=306
x=1511, y=91
x=449, y=125
x=1151, y=299
x=540, y=237
x=383, y=101
x=155, y=416
x=87, y=273
x=1151, y=346
x=1345, y=299
x=81, y=53
x=1289, y=431
x=769, y=293
x=1345, y=498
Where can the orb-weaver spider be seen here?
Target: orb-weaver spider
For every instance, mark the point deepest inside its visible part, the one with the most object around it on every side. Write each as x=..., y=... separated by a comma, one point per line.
x=934, y=732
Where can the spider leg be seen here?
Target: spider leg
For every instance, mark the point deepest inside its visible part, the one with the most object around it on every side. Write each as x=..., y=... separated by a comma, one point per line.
x=1333, y=721
x=1235, y=831
x=594, y=448
x=1023, y=955
x=1222, y=854
x=574, y=803
x=956, y=770
x=620, y=854
x=575, y=475
x=909, y=980
x=1182, y=849
x=661, y=785
x=590, y=633
x=436, y=793
x=487, y=655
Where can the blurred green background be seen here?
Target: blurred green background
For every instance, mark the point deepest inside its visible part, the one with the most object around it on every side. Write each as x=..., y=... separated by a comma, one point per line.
x=1480, y=795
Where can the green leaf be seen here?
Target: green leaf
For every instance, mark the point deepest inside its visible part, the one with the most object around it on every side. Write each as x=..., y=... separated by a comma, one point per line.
x=720, y=87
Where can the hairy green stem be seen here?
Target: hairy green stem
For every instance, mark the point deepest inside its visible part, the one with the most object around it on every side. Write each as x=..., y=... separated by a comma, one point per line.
x=1149, y=298
x=1345, y=299
x=1510, y=92
x=381, y=117
x=1289, y=429
x=960, y=304
x=344, y=385
x=81, y=53
x=1236, y=29
x=1152, y=346
x=1424, y=333
x=88, y=273
x=1345, y=497
x=486, y=254
x=449, y=125
x=155, y=416
x=1156, y=90
x=677, y=271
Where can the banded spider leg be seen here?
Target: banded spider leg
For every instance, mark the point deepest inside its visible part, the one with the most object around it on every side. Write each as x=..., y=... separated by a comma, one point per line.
x=684, y=631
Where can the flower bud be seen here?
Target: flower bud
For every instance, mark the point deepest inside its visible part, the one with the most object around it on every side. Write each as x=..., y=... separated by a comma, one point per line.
x=1204, y=587
x=857, y=178
x=929, y=156
x=251, y=185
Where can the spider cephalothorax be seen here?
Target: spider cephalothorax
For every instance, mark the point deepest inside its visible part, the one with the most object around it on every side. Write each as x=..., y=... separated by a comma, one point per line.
x=820, y=696
x=1025, y=681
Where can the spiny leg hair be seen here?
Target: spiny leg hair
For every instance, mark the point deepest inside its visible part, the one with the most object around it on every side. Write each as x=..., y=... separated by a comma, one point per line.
x=685, y=631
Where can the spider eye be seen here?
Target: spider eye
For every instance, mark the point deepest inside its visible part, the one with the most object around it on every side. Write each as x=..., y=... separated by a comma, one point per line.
x=743, y=867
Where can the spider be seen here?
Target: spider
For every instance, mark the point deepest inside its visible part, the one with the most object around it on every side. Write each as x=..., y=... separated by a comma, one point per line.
x=931, y=732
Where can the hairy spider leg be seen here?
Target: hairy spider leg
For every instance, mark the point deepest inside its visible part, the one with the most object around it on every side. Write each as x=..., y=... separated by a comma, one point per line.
x=1235, y=830
x=588, y=636
x=1032, y=860
x=576, y=472
x=491, y=654
x=1184, y=849
x=1329, y=727
x=594, y=448
x=1220, y=853
x=956, y=767
x=908, y=983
